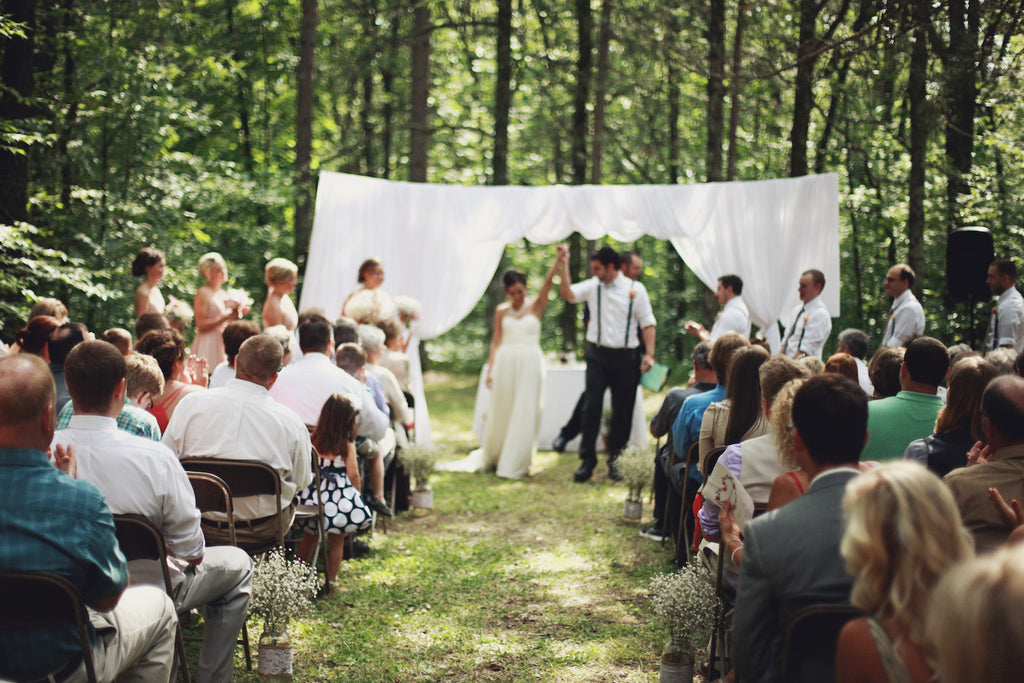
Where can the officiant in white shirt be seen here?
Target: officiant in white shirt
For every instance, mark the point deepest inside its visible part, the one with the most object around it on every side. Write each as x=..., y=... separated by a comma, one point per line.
x=906, y=317
x=734, y=316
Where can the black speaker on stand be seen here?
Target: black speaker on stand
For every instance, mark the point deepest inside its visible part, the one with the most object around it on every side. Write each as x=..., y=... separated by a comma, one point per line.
x=969, y=253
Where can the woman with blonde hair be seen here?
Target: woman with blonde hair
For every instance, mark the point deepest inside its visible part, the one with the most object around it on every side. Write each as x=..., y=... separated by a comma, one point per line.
x=213, y=310
x=281, y=276
x=791, y=484
x=975, y=621
x=903, y=532
x=958, y=424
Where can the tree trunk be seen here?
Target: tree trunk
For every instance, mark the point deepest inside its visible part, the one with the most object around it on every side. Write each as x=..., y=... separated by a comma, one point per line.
x=716, y=89
x=604, y=38
x=803, y=99
x=917, y=94
x=674, y=92
x=961, y=92
x=584, y=26
x=419, y=132
x=304, y=131
x=735, y=87
x=18, y=89
x=502, y=94
x=367, y=62
x=387, y=79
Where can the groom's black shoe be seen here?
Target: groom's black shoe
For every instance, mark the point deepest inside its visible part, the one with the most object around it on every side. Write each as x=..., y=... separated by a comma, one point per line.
x=559, y=444
x=583, y=473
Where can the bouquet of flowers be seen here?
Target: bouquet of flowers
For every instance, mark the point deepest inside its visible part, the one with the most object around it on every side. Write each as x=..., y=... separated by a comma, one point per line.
x=177, y=311
x=420, y=461
x=686, y=601
x=409, y=309
x=636, y=465
x=360, y=306
x=241, y=296
x=282, y=589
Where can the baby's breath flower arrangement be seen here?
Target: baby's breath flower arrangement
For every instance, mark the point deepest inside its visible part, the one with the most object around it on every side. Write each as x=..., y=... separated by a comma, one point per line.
x=636, y=465
x=420, y=461
x=282, y=589
x=687, y=603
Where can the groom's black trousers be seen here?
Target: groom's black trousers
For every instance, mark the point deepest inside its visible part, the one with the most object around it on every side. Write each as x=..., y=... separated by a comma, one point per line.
x=618, y=370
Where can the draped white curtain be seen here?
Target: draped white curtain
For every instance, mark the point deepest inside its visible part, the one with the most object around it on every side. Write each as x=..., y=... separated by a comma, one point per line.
x=441, y=243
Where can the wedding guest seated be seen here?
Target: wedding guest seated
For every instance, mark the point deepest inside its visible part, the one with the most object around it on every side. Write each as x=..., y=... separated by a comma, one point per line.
x=51, y=307
x=345, y=512
x=740, y=414
x=63, y=339
x=791, y=555
x=666, y=496
x=1018, y=365
x=884, y=371
x=234, y=334
x=240, y=421
x=148, y=322
x=53, y=522
x=903, y=533
x=284, y=338
x=168, y=348
x=346, y=331
x=974, y=620
x=855, y=343
x=958, y=424
x=352, y=359
x=34, y=338
x=143, y=381
x=143, y=477
x=844, y=364
x=119, y=337
x=1003, y=360
x=371, y=338
x=755, y=463
x=896, y=421
x=394, y=357
x=814, y=365
x=997, y=465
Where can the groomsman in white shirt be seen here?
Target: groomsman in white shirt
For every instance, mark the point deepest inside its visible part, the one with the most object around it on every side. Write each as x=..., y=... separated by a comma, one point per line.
x=811, y=322
x=734, y=316
x=906, y=317
x=1006, y=328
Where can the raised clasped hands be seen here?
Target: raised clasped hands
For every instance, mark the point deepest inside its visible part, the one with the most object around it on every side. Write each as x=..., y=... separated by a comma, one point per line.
x=198, y=369
x=979, y=453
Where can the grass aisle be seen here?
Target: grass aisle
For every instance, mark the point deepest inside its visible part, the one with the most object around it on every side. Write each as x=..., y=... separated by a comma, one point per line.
x=536, y=580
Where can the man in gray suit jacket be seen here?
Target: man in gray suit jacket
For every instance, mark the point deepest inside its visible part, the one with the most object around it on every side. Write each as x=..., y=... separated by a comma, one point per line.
x=791, y=555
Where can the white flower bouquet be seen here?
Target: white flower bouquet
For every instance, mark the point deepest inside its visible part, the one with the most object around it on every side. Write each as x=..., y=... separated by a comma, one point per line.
x=409, y=309
x=282, y=589
x=178, y=311
x=636, y=465
x=241, y=296
x=420, y=461
x=687, y=603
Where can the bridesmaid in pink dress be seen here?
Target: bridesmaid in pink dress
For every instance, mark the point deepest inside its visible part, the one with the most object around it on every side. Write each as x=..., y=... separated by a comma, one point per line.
x=149, y=262
x=213, y=310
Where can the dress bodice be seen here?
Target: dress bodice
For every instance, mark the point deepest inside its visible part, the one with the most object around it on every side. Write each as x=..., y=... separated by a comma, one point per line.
x=523, y=329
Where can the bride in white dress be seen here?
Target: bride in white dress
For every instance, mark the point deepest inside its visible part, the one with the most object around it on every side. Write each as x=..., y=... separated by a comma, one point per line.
x=515, y=375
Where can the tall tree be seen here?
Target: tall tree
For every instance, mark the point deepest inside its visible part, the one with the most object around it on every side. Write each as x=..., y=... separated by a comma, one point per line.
x=304, y=131
x=502, y=93
x=604, y=39
x=715, y=89
x=581, y=93
x=18, y=77
x=419, y=123
x=917, y=85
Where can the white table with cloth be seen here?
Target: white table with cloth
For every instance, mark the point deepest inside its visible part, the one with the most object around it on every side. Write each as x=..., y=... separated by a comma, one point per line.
x=563, y=385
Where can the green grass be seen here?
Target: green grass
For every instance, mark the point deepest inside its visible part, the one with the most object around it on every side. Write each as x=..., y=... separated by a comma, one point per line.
x=535, y=580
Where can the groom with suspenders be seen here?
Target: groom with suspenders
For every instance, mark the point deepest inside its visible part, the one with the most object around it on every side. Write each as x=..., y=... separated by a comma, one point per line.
x=618, y=308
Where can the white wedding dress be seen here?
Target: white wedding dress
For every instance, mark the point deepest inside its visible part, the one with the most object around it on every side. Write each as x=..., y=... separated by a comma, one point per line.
x=513, y=418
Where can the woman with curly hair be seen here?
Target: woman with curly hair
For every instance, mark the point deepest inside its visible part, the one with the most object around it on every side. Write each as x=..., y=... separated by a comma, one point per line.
x=168, y=347
x=903, y=532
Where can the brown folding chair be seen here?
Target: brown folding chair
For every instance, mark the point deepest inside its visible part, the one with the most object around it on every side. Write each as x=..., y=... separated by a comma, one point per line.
x=314, y=512
x=809, y=644
x=30, y=600
x=213, y=495
x=140, y=539
x=244, y=478
x=683, y=539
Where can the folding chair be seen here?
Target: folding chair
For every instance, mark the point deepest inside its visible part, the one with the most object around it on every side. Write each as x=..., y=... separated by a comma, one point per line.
x=314, y=512
x=244, y=478
x=683, y=539
x=213, y=495
x=140, y=539
x=809, y=644
x=30, y=600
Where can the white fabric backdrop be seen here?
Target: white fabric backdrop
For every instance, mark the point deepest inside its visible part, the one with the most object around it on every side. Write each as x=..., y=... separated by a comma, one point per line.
x=441, y=243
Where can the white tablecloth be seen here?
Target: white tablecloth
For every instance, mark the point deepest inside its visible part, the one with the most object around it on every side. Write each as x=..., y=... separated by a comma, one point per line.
x=563, y=386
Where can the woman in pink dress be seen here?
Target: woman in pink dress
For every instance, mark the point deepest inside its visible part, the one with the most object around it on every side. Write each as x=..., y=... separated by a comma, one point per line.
x=213, y=310
x=149, y=263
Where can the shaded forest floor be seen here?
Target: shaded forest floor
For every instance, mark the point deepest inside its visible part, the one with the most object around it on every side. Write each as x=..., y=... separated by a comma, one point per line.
x=534, y=580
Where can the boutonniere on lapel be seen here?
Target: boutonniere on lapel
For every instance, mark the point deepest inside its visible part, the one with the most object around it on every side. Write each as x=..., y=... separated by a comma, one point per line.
x=806, y=318
x=994, y=309
x=632, y=294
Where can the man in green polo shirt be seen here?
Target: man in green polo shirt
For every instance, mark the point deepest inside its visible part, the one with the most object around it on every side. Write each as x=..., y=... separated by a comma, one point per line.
x=896, y=421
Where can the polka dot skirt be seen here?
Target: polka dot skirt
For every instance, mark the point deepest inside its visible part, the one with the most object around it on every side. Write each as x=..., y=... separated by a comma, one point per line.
x=344, y=509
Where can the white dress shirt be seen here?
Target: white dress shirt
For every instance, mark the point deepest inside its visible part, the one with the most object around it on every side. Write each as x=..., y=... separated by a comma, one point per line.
x=613, y=317
x=809, y=330
x=240, y=421
x=734, y=318
x=906, y=320
x=306, y=385
x=864, y=378
x=137, y=476
x=221, y=374
x=1010, y=312
x=400, y=413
